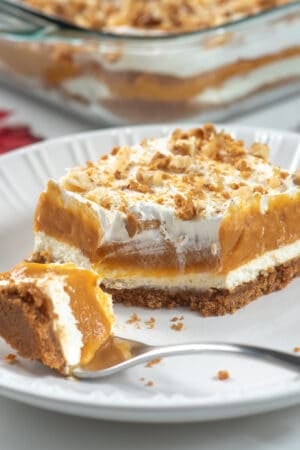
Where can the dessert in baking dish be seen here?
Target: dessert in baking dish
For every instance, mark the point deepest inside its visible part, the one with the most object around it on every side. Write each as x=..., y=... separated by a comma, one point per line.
x=151, y=79
x=194, y=219
x=56, y=314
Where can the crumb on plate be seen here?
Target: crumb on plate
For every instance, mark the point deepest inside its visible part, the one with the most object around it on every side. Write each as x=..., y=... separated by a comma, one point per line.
x=10, y=358
x=178, y=326
x=153, y=362
x=223, y=375
x=134, y=319
x=150, y=323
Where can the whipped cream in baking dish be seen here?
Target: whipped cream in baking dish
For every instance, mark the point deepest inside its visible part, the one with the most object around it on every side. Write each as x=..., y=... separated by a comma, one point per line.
x=189, y=58
x=92, y=89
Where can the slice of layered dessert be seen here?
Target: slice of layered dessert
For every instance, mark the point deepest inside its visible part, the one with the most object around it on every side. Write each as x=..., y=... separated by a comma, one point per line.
x=54, y=313
x=194, y=219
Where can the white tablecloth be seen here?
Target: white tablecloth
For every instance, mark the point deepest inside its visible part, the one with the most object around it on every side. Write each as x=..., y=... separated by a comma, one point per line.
x=26, y=428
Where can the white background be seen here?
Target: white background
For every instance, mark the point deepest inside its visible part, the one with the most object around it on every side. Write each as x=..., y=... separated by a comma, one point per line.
x=27, y=428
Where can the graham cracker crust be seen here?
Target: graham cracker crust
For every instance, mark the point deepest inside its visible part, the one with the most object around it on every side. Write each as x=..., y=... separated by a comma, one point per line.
x=26, y=323
x=213, y=302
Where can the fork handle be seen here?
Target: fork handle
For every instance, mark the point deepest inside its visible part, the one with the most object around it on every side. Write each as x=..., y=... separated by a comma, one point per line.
x=279, y=358
x=147, y=353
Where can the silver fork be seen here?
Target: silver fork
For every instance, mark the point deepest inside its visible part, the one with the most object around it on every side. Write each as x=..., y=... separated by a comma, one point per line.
x=140, y=353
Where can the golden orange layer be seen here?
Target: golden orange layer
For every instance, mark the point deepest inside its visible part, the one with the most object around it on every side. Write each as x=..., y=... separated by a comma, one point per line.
x=245, y=234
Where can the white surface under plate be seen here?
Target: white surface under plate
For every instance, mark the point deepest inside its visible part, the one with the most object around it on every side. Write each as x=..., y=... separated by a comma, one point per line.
x=184, y=388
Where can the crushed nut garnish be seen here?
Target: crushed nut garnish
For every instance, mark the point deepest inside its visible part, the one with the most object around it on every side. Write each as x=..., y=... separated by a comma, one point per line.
x=195, y=173
x=296, y=177
x=132, y=225
x=169, y=16
x=260, y=150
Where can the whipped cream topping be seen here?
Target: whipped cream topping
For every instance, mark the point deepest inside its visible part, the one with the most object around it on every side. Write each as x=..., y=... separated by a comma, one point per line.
x=159, y=178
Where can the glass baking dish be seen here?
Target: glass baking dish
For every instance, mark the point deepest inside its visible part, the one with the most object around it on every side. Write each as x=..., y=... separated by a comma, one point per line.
x=119, y=79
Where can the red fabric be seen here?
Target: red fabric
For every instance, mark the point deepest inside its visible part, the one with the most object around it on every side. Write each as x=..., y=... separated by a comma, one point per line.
x=14, y=136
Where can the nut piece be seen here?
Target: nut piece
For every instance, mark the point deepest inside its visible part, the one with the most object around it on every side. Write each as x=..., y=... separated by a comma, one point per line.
x=296, y=177
x=260, y=150
x=184, y=207
x=159, y=161
x=274, y=182
x=132, y=225
x=136, y=186
x=180, y=163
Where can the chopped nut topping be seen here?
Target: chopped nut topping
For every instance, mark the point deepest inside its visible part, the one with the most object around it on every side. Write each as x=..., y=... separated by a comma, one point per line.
x=136, y=186
x=167, y=15
x=182, y=146
x=160, y=161
x=132, y=225
x=296, y=177
x=184, y=207
x=275, y=182
x=194, y=173
x=260, y=150
x=180, y=163
x=119, y=175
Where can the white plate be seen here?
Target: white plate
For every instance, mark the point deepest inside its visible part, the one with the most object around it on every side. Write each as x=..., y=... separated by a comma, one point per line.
x=184, y=389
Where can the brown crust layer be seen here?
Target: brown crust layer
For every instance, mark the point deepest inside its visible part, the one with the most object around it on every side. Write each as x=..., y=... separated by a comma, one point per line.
x=26, y=323
x=213, y=302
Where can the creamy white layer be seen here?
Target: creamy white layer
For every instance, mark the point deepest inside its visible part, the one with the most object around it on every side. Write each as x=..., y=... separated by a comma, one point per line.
x=64, y=323
x=238, y=87
x=192, y=56
x=92, y=89
x=198, y=281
